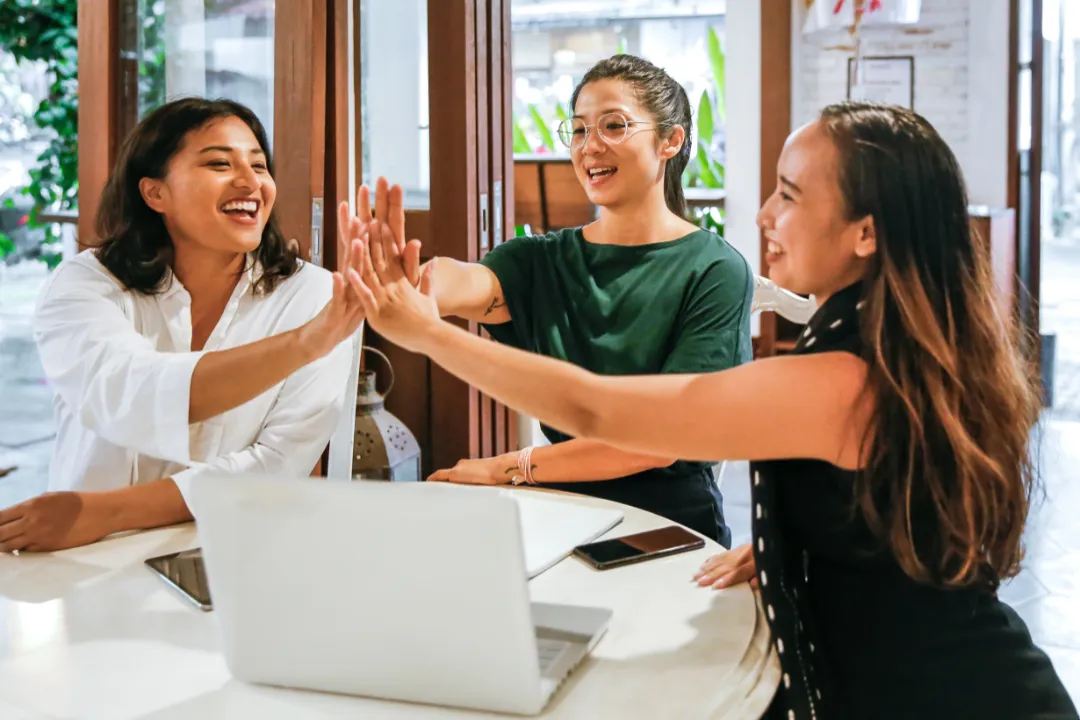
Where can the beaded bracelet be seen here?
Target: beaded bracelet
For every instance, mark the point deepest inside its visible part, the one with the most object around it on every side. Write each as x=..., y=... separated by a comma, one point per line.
x=524, y=463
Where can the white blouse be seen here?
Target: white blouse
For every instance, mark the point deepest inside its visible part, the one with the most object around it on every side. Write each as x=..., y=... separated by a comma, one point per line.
x=120, y=363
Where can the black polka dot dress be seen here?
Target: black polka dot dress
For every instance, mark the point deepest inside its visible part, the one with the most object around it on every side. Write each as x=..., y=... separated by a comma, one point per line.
x=855, y=636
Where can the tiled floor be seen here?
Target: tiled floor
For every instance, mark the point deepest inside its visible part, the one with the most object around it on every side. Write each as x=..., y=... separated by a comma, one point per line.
x=1046, y=593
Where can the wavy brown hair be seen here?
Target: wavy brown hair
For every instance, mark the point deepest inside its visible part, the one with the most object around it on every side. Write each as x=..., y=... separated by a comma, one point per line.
x=950, y=477
x=135, y=245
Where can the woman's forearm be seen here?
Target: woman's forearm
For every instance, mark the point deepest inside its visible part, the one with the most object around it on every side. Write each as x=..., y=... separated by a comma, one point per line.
x=142, y=506
x=519, y=379
x=229, y=378
x=803, y=407
x=580, y=460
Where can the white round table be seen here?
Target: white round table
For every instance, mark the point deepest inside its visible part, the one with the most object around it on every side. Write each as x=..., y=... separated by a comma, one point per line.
x=93, y=633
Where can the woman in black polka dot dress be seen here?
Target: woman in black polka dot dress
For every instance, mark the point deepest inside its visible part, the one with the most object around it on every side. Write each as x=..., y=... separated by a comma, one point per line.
x=889, y=453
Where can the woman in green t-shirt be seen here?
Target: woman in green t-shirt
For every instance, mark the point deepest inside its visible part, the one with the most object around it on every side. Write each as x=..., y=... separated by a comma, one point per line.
x=638, y=291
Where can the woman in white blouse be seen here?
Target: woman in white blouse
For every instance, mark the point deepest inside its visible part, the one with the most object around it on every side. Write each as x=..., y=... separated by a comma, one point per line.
x=192, y=339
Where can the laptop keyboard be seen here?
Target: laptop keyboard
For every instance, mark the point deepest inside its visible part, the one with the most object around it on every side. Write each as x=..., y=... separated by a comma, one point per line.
x=549, y=652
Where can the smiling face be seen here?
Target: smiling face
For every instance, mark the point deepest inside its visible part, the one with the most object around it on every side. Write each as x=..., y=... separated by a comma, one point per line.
x=813, y=246
x=619, y=174
x=217, y=192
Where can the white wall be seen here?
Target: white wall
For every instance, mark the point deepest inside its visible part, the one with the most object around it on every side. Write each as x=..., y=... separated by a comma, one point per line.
x=961, y=80
x=742, y=44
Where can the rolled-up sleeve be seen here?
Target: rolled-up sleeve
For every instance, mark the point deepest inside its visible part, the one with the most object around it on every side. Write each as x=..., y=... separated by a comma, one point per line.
x=113, y=379
x=297, y=428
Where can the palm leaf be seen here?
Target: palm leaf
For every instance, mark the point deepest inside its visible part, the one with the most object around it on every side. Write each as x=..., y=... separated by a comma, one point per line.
x=716, y=60
x=521, y=143
x=705, y=120
x=705, y=166
x=541, y=126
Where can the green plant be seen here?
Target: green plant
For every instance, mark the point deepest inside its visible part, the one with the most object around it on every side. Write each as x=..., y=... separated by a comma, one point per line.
x=541, y=127
x=44, y=30
x=151, y=55
x=6, y=246
x=708, y=169
x=543, y=130
x=521, y=143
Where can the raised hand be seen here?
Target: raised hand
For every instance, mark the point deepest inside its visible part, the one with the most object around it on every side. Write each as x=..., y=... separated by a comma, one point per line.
x=389, y=209
x=336, y=322
x=379, y=273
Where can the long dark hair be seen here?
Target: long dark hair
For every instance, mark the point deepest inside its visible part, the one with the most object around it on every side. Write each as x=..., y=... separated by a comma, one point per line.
x=949, y=477
x=665, y=100
x=134, y=244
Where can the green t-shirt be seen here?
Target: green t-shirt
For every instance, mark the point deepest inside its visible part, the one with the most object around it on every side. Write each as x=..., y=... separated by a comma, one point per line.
x=672, y=307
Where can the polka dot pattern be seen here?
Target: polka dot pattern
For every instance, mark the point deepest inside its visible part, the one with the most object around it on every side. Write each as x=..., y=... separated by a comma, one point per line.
x=784, y=569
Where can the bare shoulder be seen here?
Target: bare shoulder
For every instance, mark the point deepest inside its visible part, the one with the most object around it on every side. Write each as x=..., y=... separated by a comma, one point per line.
x=812, y=406
x=822, y=380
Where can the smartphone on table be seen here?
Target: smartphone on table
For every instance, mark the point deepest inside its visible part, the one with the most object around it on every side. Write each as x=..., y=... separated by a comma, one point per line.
x=184, y=572
x=628, y=549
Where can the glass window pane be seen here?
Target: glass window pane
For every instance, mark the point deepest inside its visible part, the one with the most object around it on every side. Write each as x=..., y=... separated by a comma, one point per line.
x=394, y=96
x=1026, y=11
x=208, y=48
x=1023, y=97
x=555, y=42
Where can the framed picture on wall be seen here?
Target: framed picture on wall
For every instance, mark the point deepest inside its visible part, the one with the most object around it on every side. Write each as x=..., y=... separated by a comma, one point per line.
x=884, y=79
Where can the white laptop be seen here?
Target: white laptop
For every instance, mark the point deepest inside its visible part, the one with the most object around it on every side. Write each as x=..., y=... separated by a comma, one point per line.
x=403, y=591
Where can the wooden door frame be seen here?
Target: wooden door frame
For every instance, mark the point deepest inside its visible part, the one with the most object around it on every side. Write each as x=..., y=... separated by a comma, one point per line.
x=449, y=418
x=776, y=39
x=502, y=169
x=99, y=52
x=300, y=119
x=452, y=56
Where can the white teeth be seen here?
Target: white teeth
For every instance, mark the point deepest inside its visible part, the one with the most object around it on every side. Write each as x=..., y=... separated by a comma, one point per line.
x=775, y=249
x=249, y=206
x=594, y=172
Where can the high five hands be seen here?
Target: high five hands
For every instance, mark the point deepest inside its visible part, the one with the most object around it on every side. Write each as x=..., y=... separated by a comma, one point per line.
x=383, y=270
x=341, y=317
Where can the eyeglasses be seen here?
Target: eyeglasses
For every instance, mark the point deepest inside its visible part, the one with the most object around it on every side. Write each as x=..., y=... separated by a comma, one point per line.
x=613, y=128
